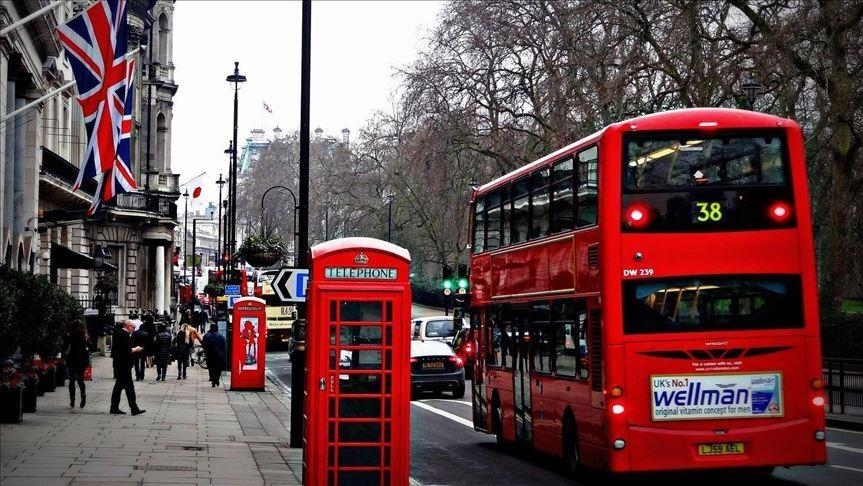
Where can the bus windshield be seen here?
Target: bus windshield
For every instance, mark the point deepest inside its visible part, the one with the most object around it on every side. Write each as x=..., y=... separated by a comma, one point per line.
x=711, y=303
x=661, y=162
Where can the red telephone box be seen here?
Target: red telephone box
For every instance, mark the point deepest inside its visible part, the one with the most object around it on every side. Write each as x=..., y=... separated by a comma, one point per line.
x=248, y=346
x=357, y=403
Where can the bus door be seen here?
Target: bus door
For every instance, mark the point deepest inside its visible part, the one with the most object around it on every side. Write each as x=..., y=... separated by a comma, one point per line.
x=479, y=391
x=521, y=376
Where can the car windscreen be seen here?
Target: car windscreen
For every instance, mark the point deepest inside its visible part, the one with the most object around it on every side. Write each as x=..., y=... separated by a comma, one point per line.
x=693, y=304
x=439, y=329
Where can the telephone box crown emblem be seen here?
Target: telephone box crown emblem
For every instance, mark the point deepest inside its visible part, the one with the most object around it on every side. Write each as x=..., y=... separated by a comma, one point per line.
x=361, y=259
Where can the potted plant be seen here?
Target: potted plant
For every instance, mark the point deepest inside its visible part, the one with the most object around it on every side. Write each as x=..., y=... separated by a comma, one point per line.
x=214, y=290
x=11, y=394
x=263, y=248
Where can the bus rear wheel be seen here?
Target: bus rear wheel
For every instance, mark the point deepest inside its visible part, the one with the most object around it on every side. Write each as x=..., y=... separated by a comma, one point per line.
x=497, y=423
x=571, y=457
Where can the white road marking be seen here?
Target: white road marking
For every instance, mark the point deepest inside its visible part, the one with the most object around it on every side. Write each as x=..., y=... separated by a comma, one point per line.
x=845, y=430
x=843, y=447
x=454, y=418
x=463, y=402
x=847, y=468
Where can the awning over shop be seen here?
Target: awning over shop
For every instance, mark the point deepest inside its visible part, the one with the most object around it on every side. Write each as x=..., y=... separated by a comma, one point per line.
x=64, y=257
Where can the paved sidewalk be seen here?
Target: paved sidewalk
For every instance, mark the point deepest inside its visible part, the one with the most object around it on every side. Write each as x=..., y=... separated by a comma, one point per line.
x=191, y=434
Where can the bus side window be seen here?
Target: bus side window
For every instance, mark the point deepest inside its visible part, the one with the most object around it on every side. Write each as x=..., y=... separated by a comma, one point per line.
x=508, y=344
x=479, y=226
x=588, y=187
x=495, y=353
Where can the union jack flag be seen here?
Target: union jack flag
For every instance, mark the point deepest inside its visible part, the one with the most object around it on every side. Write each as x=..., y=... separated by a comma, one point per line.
x=119, y=178
x=95, y=43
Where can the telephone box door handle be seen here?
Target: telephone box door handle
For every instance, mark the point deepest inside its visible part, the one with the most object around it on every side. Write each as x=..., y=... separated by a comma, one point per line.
x=322, y=384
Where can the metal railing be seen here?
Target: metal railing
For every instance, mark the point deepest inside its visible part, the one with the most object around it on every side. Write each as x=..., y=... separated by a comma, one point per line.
x=843, y=385
x=139, y=201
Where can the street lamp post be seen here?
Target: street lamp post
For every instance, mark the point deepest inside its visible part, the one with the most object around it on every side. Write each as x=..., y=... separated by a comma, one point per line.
x=220, y=182
x=294, y=256
x=389, y=195
x=750, y=87
x=235, y=78
x=194, y=269
x=185, y=233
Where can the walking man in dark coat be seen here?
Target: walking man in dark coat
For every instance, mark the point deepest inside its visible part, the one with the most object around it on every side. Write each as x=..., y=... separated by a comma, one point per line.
x=215, y=349
x=121, y=353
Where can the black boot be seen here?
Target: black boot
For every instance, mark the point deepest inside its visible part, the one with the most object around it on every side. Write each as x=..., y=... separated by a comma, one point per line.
x=83, y=400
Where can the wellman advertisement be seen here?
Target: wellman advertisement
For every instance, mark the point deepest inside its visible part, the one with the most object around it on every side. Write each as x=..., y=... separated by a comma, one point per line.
x=685, y=397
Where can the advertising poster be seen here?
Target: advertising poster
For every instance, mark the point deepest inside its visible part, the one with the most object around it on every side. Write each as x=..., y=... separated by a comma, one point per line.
x=687, y=397
x=249, y=333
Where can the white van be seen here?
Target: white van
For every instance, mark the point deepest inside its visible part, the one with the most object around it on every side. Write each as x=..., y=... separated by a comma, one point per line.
x=435, y=328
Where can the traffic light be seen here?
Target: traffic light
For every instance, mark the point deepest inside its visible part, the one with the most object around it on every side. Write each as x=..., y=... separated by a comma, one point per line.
x=462, y=276
x=447, y=279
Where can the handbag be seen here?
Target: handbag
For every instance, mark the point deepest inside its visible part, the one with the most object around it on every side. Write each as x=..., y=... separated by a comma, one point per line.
x=88, y=373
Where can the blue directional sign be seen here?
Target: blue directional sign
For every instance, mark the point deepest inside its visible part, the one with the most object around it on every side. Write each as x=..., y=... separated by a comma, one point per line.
x=290, y=284
x=232, y=290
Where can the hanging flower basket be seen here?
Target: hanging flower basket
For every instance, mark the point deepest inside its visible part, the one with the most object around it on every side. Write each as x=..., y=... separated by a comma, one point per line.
x=262, y=259
x=262, y=248
x=214, y=290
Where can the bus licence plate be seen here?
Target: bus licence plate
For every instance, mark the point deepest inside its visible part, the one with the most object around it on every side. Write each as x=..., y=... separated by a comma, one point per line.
x=433, y=365
x=725, y=448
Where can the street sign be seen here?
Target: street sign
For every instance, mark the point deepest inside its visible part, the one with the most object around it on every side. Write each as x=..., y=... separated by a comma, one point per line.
x=232, y=290
x=290, y=284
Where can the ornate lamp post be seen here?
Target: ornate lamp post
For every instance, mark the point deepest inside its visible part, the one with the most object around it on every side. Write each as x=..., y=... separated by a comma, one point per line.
x=296, y=233
x=389, y=196
x=750, y=87
x=235, y=78
x=185, y=233
x=220, y=182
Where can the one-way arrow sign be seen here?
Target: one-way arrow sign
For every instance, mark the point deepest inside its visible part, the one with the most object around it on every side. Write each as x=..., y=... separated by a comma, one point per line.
x=290, y=284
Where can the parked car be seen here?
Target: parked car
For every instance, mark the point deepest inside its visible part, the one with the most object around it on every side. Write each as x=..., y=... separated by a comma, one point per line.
x=464, y=344
x=435, y=367
x=434, y=328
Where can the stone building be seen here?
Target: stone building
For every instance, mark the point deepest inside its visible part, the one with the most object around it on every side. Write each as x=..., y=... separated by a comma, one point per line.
x=44, y=224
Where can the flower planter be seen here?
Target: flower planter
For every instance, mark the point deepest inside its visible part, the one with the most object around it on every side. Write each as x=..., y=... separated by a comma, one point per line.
x=60, y=375
x=12, y=405
x=29, y=393
x=46, y=381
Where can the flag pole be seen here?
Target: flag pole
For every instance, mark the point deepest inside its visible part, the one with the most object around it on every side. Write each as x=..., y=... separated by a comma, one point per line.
x=33, y=104
x=30, y=17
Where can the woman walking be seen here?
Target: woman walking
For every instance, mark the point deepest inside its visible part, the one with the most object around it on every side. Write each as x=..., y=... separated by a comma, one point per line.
x=77, y=353
x=183, y=342
x=163, y=352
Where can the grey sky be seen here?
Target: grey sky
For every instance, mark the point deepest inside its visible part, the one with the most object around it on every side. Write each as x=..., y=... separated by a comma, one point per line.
x=355, y=47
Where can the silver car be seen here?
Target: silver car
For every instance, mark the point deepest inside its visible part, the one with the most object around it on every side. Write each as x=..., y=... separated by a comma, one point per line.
x=435, y=367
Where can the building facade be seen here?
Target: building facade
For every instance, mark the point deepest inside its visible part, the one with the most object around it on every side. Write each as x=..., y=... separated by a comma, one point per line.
x=44, y=224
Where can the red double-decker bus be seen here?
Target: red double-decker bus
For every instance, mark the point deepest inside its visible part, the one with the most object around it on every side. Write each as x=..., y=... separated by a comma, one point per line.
x=646, y=298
